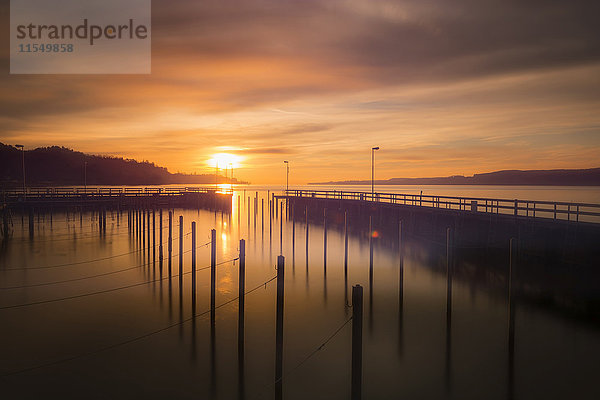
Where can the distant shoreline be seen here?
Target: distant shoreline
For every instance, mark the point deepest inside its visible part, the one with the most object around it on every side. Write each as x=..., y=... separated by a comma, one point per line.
x=555, y=177
x=449, y=184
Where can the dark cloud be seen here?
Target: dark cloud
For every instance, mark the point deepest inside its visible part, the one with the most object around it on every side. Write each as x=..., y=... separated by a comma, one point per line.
x=394, y=41
x=343, y=42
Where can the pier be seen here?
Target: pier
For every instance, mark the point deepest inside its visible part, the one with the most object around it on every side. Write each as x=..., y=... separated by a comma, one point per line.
x=558, y=241
x=543, y=226
x=116, y=197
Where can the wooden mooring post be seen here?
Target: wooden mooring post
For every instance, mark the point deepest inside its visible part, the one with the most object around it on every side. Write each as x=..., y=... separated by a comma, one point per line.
x=248, y=212
x=293, y=238
x=306, y=216
x=139, y=230
x=31, y=226
x=160, y=241
x=279, y=328
x=153, y=235
x=281, y=230
x=241, y=310
x=135, y=223
x=270, y=223
x=325, y=241
x=370, y=248
x=357, y=325
x=255, y=209
x=170, y=245
x=213, y=269
x=346, y=244
x=194, y=261
x=149, y=230
x=180, y=250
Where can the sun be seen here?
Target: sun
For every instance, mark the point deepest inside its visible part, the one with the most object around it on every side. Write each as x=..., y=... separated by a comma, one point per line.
x=225, y=160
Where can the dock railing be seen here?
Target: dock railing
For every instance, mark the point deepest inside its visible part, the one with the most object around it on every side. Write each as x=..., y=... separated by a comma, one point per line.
x=104, y=192
x=578, y=212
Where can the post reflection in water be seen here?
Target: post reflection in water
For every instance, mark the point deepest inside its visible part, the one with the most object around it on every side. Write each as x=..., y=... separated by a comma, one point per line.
x=511, y=319
x=411, y=273
x=400, y=290
x=241, y=318
x=449, y=268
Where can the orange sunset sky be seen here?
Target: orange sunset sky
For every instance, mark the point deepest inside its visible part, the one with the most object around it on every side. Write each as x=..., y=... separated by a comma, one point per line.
x=442, y=87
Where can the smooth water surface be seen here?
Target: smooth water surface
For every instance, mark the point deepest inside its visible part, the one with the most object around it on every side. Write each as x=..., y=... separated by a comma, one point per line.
x=87, y=314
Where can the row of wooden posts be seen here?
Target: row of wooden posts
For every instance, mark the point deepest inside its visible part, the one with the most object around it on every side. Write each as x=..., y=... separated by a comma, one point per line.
x=357, y=294
x=31, y=220
x=142, y=223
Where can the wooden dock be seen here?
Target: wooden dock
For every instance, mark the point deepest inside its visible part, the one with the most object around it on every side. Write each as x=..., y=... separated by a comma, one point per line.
x=116, y=198
x=554, y=229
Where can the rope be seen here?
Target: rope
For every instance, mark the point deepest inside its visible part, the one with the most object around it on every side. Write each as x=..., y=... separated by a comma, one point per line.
x=88, y=261
x=34, y=303
x=92, y=276
x=132, y=340
x=308, y=357
x=95, y=234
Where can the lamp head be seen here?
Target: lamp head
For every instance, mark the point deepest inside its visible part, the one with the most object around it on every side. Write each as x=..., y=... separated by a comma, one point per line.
x=19, y=146
x=375, y=148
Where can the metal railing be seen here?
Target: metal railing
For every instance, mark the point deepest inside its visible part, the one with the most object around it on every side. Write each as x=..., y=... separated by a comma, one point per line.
x=584, y=212
x=103, y=192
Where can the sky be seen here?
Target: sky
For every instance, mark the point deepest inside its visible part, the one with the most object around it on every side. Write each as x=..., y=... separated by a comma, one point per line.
x=442, y=87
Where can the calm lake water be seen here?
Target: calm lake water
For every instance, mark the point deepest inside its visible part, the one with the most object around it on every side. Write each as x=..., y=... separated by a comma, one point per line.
x=90, y=315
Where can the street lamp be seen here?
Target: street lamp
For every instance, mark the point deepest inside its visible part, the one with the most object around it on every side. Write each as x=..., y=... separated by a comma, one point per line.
x=373, y=170
x=287, y=176
x=20, y=146
x=85, y=175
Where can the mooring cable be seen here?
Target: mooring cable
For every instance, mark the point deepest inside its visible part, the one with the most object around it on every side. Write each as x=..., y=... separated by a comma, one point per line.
x=305, y=359
x=92, y=234
x=88, y=261
x=94, y=276
x=35, y=303
x=135, y=339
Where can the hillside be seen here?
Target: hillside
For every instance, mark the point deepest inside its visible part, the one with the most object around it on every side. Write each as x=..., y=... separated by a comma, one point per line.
x=554, y=177
x=63, y=166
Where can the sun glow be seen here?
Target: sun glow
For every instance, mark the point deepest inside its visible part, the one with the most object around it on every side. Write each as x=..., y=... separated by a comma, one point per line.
x=225, y=160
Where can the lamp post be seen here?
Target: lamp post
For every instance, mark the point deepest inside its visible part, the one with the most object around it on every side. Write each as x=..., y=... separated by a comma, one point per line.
x=373, y=149
x=287, y=176
x=22, y=147
x=85, y=175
